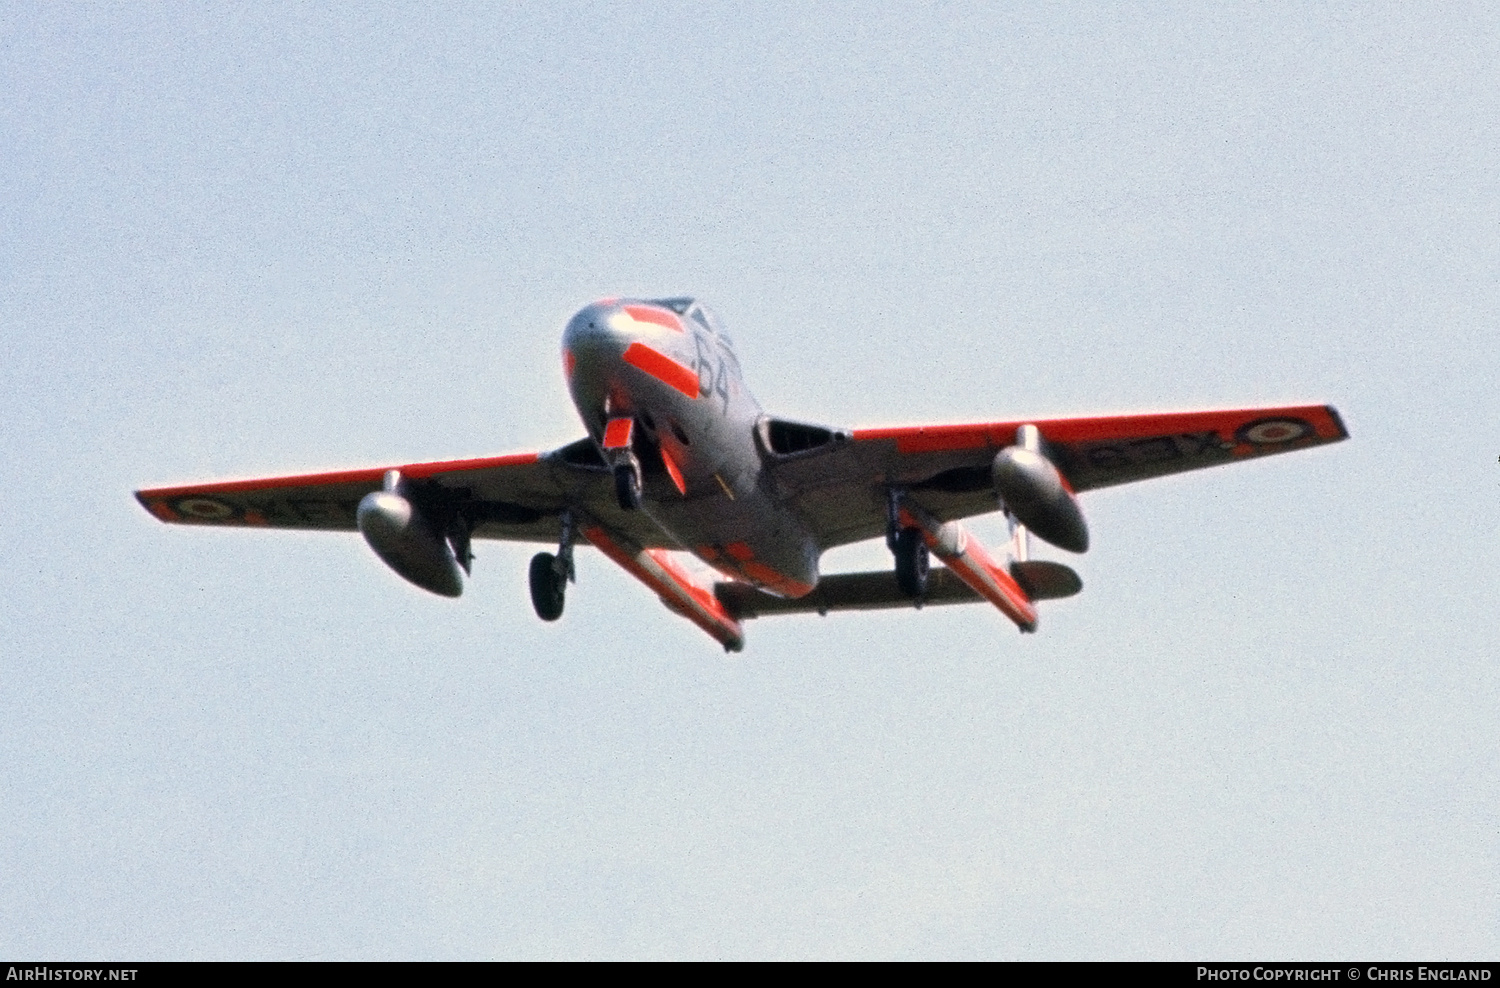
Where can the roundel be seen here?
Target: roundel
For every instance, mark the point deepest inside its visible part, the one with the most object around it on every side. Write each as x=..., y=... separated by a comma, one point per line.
x=204, y=509
x=1265, y=432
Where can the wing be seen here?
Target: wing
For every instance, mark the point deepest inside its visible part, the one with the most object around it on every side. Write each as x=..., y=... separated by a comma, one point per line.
x=840, y=486
x=516, y=498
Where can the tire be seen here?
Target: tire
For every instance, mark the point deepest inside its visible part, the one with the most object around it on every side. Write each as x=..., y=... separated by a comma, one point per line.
x=547, y=588
x=627, y=488
x=911, y=563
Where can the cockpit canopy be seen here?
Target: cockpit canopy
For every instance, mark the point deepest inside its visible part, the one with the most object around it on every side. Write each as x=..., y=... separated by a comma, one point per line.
x=696, y=311
x=677, y=305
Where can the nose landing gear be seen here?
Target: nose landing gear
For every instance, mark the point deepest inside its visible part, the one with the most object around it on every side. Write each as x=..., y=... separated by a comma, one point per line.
x=628, y=486
x=620, y=455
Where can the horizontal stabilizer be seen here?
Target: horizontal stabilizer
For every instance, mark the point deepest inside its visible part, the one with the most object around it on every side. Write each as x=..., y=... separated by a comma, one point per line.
x=844, y=592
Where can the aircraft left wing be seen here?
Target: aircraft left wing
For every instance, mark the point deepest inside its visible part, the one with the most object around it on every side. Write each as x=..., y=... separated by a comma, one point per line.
x=840, y=485
x=516, y=498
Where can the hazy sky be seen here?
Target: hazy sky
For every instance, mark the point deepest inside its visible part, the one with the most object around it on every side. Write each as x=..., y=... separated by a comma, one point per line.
x=249, y=240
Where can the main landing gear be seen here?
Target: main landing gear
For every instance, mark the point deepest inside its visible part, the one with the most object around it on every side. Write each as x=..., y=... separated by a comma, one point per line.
x=547, y=588
x=911, y=563
x=550, y=574
x=909, y=548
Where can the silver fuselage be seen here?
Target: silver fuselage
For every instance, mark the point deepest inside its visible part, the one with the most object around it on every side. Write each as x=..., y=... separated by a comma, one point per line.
x=669, y=367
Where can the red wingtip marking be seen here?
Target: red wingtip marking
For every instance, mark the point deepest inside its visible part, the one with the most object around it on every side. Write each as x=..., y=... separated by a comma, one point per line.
x=162, y=510
x=674, y=473
x=663, y=368
x=660, y=317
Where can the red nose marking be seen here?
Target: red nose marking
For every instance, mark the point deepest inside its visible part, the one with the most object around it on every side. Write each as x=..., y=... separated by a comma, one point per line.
x=663, y=368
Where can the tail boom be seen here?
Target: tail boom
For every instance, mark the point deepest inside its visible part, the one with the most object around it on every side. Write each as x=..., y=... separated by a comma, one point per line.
x=657, y=569
x=971, y=562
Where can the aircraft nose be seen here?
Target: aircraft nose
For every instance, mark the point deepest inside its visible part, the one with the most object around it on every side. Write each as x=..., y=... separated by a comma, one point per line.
x=591, y=350
x=621, y=321
x=603, y=335
x=590, y=332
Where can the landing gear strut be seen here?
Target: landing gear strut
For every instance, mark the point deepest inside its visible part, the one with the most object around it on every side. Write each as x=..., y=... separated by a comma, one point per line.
x=550, y=574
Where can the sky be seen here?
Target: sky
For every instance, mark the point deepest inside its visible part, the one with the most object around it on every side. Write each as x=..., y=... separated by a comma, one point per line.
x=257, y=239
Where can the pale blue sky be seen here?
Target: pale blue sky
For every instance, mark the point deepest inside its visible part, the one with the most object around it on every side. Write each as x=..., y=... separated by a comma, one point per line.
x=247, y=240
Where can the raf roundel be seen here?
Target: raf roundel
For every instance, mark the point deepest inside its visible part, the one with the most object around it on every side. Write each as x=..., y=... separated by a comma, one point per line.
x=204, y=509
x=1269, y=432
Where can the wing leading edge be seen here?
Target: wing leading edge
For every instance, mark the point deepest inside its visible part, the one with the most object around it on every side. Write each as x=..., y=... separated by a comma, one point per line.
x=841, y=486
x=517, y=498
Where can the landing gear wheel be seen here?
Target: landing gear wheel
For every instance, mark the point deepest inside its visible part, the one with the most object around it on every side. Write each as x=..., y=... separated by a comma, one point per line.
x=627, y=488
x=547, y=587
x=911, y=563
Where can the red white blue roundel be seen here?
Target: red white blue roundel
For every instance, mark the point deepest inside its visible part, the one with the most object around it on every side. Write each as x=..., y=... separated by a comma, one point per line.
x=1271, y=432
x=205, y=509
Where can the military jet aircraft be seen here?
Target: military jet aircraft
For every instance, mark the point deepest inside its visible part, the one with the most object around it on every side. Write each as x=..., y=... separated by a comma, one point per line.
x=680, y=458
